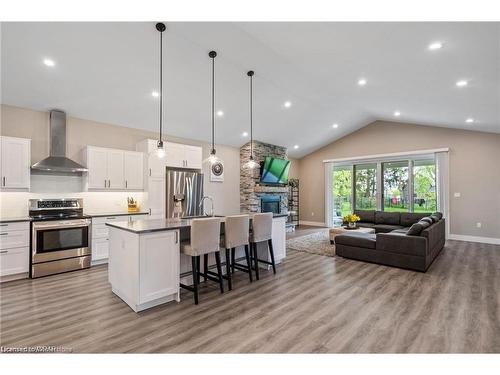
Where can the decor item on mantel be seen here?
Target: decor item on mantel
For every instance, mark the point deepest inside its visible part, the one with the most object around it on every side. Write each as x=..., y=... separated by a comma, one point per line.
x=351, y=221
x=213, y=159
x=132, y=205
x=293, y=201
x=251, y=163
x=160, y=149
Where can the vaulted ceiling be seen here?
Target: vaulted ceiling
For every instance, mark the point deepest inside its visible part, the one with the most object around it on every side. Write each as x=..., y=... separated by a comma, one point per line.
x=107, y=72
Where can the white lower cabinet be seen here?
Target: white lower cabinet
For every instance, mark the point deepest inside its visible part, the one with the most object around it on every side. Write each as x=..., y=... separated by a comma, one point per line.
x=14, y=250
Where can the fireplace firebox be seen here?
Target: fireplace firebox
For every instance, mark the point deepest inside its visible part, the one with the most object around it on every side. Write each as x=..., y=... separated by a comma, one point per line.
x=270, y=203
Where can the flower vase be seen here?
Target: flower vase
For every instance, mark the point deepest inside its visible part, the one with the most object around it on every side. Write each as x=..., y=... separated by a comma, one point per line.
x=351, y=225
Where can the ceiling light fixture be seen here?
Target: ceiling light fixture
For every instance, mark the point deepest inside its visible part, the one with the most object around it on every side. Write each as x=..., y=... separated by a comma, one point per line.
x=335, y=126
x=436, y=45
x=462, y=83
x=287, y=104
x=296, y=147
x=470, y=120
x=49, y=62
x=220, y=113
x=160, y=151
x=244, y=134
x=362, y=82
x=212, y=159
x=251, y=163
x=155, y=94
x=397, y=113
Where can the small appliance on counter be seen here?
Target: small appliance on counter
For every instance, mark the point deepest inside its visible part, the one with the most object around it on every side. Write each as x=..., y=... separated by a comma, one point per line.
x=132, y=205
x=60, y=236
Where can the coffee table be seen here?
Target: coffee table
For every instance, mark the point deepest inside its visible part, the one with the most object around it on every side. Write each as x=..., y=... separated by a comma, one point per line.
x=339, y=230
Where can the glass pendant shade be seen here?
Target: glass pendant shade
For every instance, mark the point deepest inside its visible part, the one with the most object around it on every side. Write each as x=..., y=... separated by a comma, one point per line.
x=160, y=150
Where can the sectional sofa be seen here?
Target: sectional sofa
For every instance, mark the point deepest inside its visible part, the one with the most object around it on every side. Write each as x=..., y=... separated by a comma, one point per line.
x=405, y=240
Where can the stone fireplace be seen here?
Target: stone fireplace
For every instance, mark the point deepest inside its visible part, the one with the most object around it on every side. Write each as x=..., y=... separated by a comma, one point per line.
x=253, y=196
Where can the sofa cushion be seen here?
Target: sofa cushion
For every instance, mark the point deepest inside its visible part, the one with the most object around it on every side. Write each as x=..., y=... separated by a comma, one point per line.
x=409, y=218
x=363, y=224
x=357, y=239
x=415, y=229
x=424, y=223
x=366, y=215
x=434, y=218
x=439, y=215
x=401, y=244
x=391, y=218
x=427, y=219
x=402, y=230
x=386, y=228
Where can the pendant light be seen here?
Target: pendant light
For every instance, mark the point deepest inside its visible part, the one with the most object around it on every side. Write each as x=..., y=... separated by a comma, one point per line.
x=160, y=151
x=213, y=159
x=251, y=163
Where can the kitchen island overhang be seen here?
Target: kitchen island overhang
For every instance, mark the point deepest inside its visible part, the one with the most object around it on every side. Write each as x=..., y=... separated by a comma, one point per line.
x=145, y=264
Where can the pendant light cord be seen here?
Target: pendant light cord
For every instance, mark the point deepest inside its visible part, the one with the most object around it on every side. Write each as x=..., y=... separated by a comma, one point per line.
x=213, y=105
x=251, y=116
x=161, y=84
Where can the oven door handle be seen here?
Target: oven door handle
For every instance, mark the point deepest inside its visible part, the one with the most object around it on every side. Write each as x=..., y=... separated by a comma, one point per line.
x=61, y=224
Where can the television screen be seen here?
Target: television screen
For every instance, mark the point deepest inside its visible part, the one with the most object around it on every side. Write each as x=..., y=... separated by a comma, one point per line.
x=275, y=171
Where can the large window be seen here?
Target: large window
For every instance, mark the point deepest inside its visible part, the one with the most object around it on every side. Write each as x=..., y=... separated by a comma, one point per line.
x=342, y=190
x=395, y=177
x=365, y=197
x=407, y=185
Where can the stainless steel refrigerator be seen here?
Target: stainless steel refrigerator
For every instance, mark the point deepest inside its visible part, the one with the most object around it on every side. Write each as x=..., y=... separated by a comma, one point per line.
x=184, y=193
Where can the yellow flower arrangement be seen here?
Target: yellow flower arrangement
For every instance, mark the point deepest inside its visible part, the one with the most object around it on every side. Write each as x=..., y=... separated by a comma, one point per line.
x=351, y=218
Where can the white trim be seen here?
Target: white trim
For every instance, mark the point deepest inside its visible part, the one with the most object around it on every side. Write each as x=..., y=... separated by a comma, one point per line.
x=393, y=154
x=328, y=195
x=312, y=223
x=460, y=237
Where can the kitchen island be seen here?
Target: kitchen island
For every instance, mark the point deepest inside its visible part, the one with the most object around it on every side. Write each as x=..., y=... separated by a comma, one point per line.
x=145, y=264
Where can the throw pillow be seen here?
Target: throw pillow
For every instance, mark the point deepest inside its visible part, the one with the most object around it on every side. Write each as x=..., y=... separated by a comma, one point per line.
x=434, y=218
x=427, y=219
x=415, y=229
x=425, y=223
x=439, y=215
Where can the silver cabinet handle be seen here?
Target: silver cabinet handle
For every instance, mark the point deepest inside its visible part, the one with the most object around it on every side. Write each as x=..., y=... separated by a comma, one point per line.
x=105, y=183
x=126, y=184
x=149, y=172
x=4, y=225
x=150, y=211
x=111, y=218
x=3, y=234
x=4, y=251
x=3, y=180
x=176, y=237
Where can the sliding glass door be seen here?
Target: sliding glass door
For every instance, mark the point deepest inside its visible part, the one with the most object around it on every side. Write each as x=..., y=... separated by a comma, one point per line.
x=424, y=186
x=396, y=186
x=365, y=177
x=342, y=190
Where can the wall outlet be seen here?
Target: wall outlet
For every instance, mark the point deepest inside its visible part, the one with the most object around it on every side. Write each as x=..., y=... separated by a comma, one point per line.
x=456, y=195
x=478, y=225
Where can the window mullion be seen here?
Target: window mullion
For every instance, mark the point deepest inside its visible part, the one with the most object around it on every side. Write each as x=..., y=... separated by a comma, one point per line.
x=411, y=196
x=380, y=187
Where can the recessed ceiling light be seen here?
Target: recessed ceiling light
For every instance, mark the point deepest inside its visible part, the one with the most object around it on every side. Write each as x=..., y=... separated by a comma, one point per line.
x=296, y=146
x=435, y=46
x=397, y=113
x=155, y=94
x=470, y=120
x=287, y=104
x=220, y=113
x=244, y=134
x=49, y=62
x=362, y=82
x=462, y=83
x=335, y=126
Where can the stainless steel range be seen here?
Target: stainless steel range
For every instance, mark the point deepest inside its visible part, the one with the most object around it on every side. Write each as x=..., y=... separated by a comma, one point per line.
x=60, y=236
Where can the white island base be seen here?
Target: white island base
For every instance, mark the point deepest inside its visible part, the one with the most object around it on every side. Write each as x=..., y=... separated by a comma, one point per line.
x=143, y=268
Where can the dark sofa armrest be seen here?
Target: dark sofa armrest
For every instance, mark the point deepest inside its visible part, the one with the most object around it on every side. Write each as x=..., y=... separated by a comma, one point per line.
x=401, y=243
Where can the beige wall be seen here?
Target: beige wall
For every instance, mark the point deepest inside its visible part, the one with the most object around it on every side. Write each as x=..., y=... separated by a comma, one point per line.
x=294, y=168
x=474, y=170
x=26, y=123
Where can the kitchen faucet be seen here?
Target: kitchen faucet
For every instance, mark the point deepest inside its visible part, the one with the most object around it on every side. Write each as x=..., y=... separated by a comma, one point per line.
x=212, y=205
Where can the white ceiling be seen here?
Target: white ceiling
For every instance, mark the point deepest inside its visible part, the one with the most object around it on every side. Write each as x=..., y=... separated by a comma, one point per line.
x=107, y=71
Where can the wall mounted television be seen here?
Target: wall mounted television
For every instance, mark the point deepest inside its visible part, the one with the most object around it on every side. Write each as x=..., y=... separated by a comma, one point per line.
x=274, y=171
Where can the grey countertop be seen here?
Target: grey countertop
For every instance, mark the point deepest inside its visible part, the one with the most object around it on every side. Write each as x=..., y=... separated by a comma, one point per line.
x=121, y=213
x=14, y=219
x=158, y=225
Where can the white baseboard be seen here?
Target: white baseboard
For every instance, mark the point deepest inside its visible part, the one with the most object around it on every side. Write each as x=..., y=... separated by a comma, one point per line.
x=312, y=223
x=489, y=240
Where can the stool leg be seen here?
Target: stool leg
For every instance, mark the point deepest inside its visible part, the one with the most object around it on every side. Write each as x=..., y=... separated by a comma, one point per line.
x=205, y=267
x=219, y=271
x=228, y=271
x=198, y=267
x=271, y=252
x=249, y=264
x=256, y=261
x=233, y=258
x=195, y=279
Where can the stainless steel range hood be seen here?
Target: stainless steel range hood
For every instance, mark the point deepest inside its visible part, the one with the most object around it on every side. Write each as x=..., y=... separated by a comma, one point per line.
x=57, y=162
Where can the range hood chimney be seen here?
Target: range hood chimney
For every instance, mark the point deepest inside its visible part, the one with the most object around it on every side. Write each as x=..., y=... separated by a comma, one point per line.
x=57, y=162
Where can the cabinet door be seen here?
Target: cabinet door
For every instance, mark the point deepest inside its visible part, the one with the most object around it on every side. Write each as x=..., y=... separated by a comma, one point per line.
x=15, y=166
x=156, y=197
x=156, y=165
x=100, y=249
x=174, y=154
x=133, y=170
x=14, y=261
x=193, y=156
x=158, y=265
x=115, y=169
x=97, y=164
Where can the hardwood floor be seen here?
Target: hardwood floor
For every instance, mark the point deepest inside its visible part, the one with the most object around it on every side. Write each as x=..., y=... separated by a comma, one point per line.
x=314, y=304
x=302, y=230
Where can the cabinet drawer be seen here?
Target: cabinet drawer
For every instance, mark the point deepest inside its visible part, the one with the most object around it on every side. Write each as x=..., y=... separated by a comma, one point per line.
x=9, y=227
x=13, y=261
x=100, y=249
x=108, y=219
x=14, y=239
x=99, y=231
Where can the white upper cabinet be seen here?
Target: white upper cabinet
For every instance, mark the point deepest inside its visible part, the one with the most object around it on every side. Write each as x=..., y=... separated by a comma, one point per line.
x=193, y=156
x=110, y=169
x=15, y=163
x=133, y=170
x=174, y=154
